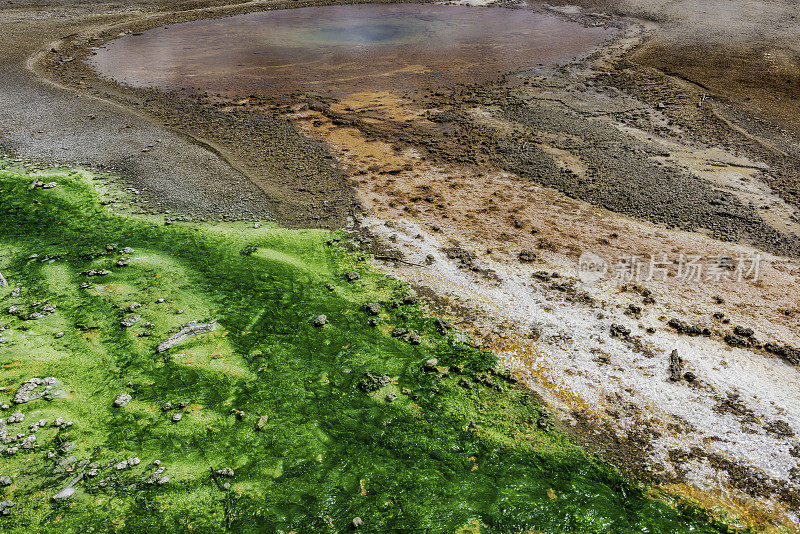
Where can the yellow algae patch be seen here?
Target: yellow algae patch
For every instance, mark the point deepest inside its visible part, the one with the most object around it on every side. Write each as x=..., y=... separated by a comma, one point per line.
x=732, y=509
x=385, y=104
x=471, y=527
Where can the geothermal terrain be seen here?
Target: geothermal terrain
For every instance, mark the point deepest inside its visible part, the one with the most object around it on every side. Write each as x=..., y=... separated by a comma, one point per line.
x=434, y=267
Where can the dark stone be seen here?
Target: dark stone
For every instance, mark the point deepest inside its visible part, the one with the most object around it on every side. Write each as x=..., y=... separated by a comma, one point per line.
x=788, y=353
x=399, y=332
x=736, y=341
x=675, y=366
x=743, y=331
x=617, y=330
x=372, y=382
x=684, y=328
x=413, y=337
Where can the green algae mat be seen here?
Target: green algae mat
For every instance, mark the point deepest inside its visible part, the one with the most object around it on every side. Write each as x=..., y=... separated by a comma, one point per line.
x=268, y=422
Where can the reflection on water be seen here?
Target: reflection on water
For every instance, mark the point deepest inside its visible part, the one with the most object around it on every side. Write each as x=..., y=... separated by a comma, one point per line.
x=341, y=49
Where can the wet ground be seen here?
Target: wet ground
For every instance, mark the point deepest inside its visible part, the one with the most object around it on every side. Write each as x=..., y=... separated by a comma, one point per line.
x=336, y=50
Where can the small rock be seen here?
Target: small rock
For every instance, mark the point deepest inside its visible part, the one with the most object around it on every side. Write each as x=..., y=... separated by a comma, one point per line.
x=743, y=331
x=320, y=320
x=372, y=382
x=5, y=507
x=5, y=480
x=225, y=472
x=130, y=320
x=545, y=422
x=16, y=417
x=413, y=338
x=93, y=469
x=399, y=331
x=373, y=308
x=618, y=330
x=64, y=494
x=357, y=522
x=675, y=368
x=443, y=327
x=527, y=256
x=736, y=341
x=27, y=391
x=352, y=276
x=261, y=422
x=391, y=397
x=122, y=400
x=177, y=417
x=431, y=364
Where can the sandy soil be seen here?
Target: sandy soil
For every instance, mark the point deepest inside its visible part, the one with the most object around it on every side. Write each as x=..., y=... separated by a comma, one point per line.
x=487, y=198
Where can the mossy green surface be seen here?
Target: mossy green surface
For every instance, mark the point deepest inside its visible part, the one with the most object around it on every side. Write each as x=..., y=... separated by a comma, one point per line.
x=440, y=458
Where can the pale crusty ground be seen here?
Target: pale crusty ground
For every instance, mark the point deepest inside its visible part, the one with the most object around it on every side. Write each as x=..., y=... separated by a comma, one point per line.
x=681, y=429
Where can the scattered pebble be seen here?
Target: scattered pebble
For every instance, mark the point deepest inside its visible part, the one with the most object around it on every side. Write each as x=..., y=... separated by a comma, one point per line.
x=122, y=400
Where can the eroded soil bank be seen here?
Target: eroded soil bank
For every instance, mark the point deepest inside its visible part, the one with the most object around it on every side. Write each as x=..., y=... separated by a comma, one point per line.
x=486, y=197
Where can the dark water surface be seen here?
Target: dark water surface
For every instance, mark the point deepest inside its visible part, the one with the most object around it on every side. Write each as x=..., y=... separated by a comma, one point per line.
x=342, y=49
